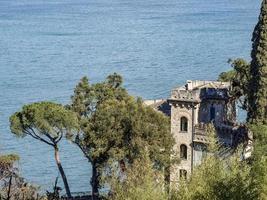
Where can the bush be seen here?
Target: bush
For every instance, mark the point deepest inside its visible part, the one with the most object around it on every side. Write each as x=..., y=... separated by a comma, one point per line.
x=139, y=182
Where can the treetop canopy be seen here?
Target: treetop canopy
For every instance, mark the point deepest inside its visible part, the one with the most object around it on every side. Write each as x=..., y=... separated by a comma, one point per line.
x=44, y=118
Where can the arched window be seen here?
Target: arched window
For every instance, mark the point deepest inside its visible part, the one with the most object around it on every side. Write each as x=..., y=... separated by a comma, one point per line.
x=184, y=124
x=183, y=151
x=183, y=174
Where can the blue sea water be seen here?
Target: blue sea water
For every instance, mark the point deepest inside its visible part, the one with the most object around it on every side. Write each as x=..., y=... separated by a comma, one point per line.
x=46, y=46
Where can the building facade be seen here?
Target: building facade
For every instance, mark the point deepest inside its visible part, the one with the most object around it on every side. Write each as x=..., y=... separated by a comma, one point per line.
x=192, y=108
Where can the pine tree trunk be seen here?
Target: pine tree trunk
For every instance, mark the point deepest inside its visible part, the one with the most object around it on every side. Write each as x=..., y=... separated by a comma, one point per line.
x=95, y=182
x=62, y=173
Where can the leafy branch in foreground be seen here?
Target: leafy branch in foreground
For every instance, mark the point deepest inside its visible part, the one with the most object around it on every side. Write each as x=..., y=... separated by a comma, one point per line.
x=140, y=181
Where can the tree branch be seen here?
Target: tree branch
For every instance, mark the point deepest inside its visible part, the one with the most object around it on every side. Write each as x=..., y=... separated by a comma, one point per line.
x=50, y=137
x=84, y=151
x=59, y=138
x=34, y=135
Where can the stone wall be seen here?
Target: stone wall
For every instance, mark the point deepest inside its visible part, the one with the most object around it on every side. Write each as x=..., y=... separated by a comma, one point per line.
x=220, y=111
x=179, y=110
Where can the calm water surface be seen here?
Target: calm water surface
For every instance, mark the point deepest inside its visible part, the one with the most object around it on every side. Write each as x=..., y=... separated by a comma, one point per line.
x=46, y=46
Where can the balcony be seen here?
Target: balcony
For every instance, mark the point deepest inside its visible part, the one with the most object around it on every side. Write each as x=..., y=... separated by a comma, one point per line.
x=200, y=133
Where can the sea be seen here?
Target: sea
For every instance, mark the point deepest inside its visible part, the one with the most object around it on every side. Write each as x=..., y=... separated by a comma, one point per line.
x=47, y=46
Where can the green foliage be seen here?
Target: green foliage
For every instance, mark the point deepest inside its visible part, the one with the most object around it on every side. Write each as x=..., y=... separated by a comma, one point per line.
x=259, y=175
x=20, y=190
x=114, y=80
x=257, y=96
x=115, y=126
x=213, y=145
x=8, y=166
x=259, y=160
x=239, y=77
x=227, y=76
x=140, y=182
x=215, y=178
x=260, y=140
x=249, y=80
x=257, y=103
x=12, y=186
x=257, y=99
x=87, y=97
x=123, y=128
x=45, y=121
x=7, y=161
x=218, y=180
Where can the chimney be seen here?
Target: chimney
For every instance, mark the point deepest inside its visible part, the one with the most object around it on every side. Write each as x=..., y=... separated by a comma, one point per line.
x=189, y=85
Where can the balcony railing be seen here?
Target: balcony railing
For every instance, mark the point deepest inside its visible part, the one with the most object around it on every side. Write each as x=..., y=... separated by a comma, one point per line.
x=201, y=129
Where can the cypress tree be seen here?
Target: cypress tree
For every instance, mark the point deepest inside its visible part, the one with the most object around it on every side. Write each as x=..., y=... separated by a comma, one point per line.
x=257, y=97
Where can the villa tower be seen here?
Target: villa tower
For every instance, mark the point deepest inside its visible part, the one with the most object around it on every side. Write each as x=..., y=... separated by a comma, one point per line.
x=191, y=108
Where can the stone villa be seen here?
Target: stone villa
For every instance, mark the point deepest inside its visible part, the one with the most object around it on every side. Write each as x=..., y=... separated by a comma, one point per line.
x=191, y=108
